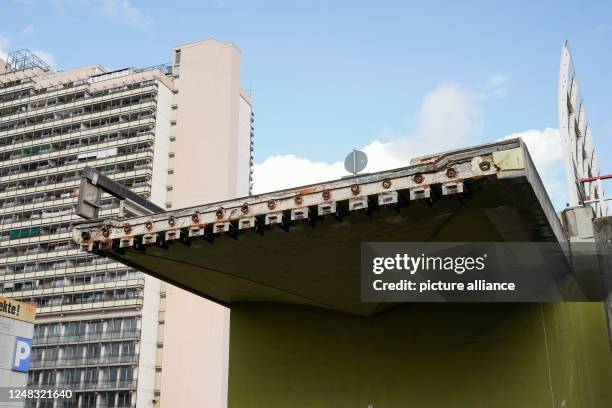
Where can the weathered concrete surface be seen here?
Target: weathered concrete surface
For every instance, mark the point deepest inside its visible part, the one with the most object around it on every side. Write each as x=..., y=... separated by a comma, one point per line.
x=316, y=261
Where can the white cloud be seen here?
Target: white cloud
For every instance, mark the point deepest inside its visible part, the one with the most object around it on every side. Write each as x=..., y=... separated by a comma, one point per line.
x=45, y=56
x=4, y=44
x=495, y=86
x=27, y=31
x=449, y=118
x=285, y=171
x=123, y=11
x=545, y=148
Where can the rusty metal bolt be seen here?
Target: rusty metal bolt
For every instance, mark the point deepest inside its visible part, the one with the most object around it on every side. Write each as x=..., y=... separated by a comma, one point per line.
x=106, y=231
x=171, y=221
x=245, y=208
x=220, y=213
x=149, y=225
x=299, y=199
x=195, y=217
x=418, y=178
x=451, y=173
x=485, y=166
x=327, y=195
x=86, y=235
x=386, y=184
x=271, y=204
x=127, y=228
x=355, y=189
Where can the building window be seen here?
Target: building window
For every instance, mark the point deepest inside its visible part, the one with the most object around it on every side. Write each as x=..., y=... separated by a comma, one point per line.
x=177, y=56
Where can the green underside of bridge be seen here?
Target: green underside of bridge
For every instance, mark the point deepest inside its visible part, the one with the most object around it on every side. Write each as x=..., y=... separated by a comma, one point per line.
x=420, y=355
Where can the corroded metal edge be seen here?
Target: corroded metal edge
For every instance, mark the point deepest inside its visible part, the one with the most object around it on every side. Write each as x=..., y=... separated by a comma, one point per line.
x=447, y=171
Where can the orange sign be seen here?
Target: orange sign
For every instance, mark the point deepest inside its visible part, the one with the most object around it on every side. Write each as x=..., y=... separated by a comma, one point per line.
x=14, y=309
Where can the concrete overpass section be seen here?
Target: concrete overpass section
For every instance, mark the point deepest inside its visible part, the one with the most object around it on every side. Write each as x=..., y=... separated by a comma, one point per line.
x=287, y=264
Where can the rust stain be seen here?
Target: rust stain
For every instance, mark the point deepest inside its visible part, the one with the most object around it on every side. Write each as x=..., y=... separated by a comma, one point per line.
x=307, y=191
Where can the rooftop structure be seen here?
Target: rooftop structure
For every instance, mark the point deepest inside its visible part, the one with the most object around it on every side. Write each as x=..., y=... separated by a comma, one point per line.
x=25, y=59
x=584, y=181
x=486, y=193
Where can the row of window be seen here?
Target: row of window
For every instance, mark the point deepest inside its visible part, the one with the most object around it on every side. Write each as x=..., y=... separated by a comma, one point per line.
x=12, y=96
x=68, y=176
x=93, y=350
x=50, y=212
x=48, y=197
x=73, y=159
x=68, y=159
x=83, y=327
x=44, y=103
x=119, y=334
x=76, y=142
x=53, y=264
x=70, y=92
x=38, y=231
x=106, y=295
x=83, y=109
x=37, y=214
x=121, y=399
x=74, y=113
x=73, y=376
x=85, y=125
x=38, y=248
x=120, y=352
x=70, y=280
x=106, y=359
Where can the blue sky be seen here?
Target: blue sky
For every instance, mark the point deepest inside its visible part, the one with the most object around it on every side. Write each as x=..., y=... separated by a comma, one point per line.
x=328, y=76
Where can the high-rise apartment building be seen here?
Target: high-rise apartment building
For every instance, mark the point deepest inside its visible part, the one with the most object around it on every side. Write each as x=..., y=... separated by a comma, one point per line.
x=100, y=325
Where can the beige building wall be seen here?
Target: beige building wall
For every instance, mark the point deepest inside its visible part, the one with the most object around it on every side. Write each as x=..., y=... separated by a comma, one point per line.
x=211, y=148
x=207, y=99
x=4, y=67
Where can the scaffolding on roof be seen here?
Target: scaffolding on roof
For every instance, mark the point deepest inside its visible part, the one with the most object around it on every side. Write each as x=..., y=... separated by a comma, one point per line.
x=165, y=68
x=25, y=59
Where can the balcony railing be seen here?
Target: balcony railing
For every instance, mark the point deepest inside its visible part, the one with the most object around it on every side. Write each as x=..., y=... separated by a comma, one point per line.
x=101, y=385
x=95, y=361
x=85, y=337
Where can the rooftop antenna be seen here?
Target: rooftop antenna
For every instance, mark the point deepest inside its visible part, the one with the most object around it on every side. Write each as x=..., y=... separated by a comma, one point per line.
x=356, y=161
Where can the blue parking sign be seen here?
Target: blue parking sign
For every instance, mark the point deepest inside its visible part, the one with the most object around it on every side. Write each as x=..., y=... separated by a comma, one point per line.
x=23, y=350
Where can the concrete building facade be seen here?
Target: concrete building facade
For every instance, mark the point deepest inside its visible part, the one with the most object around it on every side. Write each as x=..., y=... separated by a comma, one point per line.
x=100, y=325
x=16, y=328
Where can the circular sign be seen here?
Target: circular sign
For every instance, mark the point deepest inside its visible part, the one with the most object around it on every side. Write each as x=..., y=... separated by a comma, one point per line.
x=356, y=161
